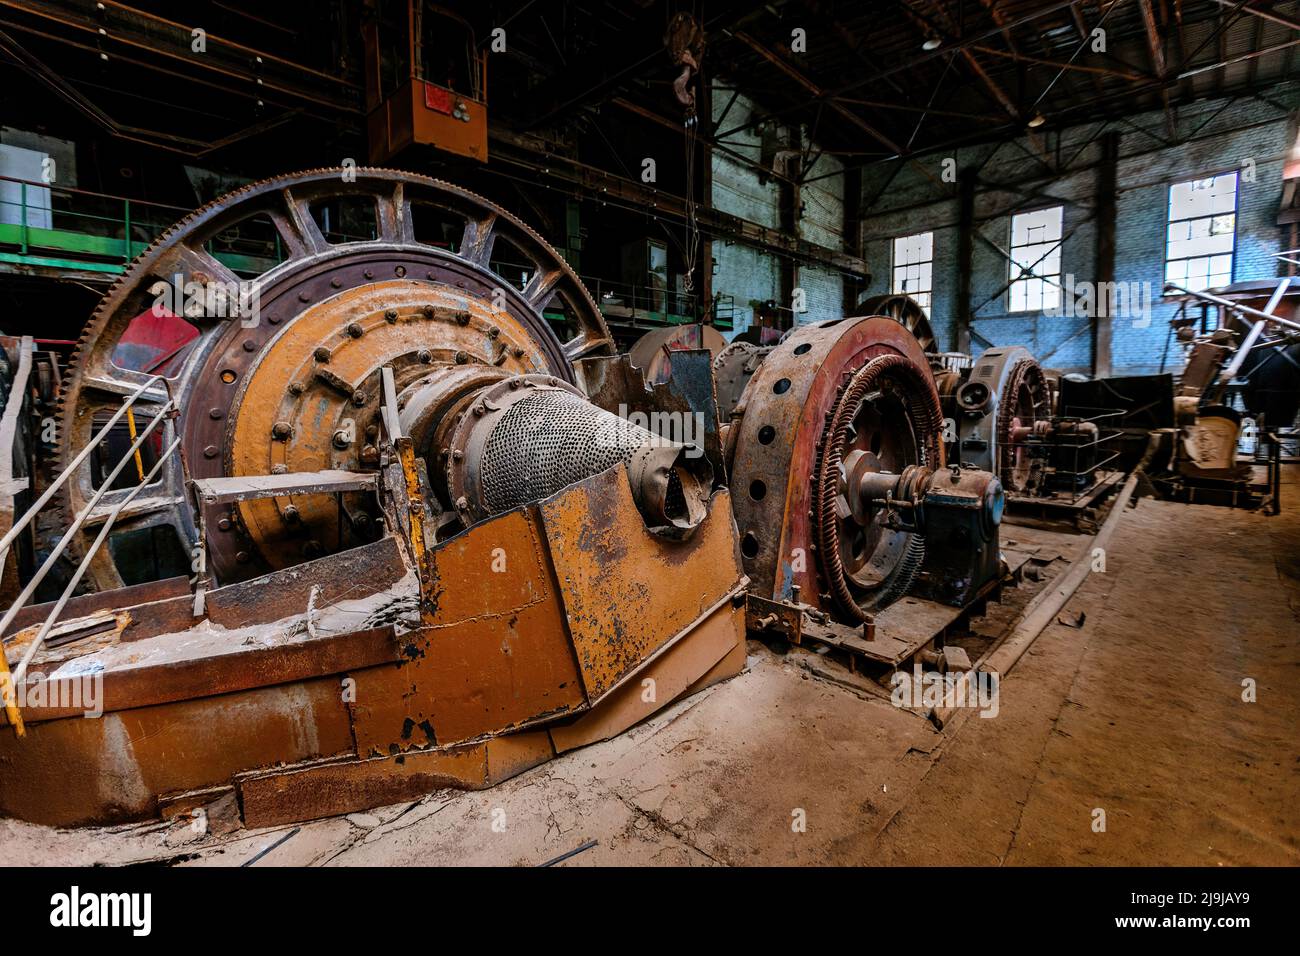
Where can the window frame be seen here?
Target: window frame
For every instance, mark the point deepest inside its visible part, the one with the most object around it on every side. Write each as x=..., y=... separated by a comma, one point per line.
x=895, y=265
x=1035, y=276
x=1233, y=171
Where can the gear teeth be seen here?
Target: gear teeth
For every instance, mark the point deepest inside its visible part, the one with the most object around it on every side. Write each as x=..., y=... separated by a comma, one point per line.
x=94, y=332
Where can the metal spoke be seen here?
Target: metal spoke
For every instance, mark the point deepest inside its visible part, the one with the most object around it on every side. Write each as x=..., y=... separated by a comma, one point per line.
x=297, y=228
x=478, y=239
x=394, y=216
x=580, y=347
x=194, y=265
x=541, y=287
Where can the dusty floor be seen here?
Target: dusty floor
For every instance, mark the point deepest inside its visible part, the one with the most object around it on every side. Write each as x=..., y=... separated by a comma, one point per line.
x=1138, y=713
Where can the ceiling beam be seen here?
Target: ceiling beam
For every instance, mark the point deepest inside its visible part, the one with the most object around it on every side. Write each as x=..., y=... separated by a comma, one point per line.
x=622, y=62
x=812, y=87
x=967, y=54
x=678, y=127
x=1057, y=65
x=120, y=27
x=911, y=63
x=1081, y=27
x=851, y=40
x=1263, y=14
x=1155, y=44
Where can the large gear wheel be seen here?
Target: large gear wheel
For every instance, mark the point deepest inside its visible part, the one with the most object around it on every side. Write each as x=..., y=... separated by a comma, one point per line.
x=885, y=420
x=907, y=312
x=347, y=270
x=832, y=405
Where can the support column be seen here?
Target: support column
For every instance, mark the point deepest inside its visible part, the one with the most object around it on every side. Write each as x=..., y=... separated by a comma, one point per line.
x=965, y=259
x=788, y=219
x=704, y=196
x=1105, y=271
x=853, y=287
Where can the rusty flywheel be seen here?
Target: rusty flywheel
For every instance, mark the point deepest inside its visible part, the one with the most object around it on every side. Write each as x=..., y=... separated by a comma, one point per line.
x=1024, y=400
x=296, y=291
x=832, y=408
x=907, y=312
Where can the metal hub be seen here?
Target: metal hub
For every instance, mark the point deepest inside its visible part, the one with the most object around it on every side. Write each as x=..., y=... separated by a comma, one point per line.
x=437, y=277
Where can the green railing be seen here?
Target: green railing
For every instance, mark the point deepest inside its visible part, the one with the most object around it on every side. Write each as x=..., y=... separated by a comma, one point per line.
x=63, y=228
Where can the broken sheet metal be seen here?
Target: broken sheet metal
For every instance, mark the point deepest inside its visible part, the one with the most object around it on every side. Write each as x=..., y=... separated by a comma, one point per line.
x=550, y=627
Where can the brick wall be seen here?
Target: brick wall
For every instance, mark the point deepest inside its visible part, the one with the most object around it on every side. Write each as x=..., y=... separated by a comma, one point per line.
x=751, y=275
x=1215, y=136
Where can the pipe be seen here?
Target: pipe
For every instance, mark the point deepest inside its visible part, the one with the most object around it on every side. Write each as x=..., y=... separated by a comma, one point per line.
x=1252, y=339
x=1040, y=612
x=1234, y=306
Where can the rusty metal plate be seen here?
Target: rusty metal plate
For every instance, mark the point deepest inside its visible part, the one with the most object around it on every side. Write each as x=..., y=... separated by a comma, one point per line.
x=728, y=667
x=680, y=667
x=86, y=604
x=496, y=656
x=235, y=667
x=326, y=788
x=626, y=591
x=78, y=771
x=350, y=575
x=515, y=753
x=493, y=570
x=334, y=787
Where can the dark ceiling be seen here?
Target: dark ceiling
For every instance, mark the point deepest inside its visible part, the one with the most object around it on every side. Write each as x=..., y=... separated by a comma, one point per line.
x=868, y=83
x=866, y=87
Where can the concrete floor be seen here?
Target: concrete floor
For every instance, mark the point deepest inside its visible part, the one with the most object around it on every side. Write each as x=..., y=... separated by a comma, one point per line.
x=1138, y=713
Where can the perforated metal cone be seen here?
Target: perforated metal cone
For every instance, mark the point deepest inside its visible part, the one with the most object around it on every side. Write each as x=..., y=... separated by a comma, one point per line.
x=549, y=439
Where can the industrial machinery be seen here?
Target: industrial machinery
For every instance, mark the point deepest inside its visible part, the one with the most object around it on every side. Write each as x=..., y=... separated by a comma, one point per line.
x=733, y=367
x=652, y=352
x=839, y=480
x=370, y=536
x=993, y=405
x=372, y=528
x=1246, y=364
x=736, y=364
x=1000, y=415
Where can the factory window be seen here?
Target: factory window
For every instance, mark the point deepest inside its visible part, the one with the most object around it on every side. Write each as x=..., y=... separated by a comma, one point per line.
x=1202, y=232
x=1036, y=260
x=914, y=267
